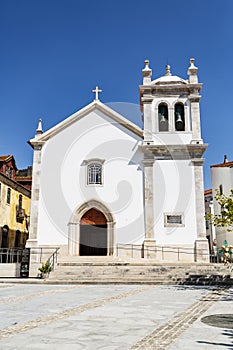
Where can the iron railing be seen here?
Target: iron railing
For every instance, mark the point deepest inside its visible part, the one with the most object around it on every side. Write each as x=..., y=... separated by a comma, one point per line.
x=38, y=254
x=52, y=260
x=164, y=253
x=10, y=255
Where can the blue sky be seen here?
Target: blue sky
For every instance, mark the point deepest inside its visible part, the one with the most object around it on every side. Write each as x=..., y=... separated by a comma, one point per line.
x=54, y=52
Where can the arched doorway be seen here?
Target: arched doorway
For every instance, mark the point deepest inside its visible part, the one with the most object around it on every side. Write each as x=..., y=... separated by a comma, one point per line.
x=74, y=227
x=93, y=233
x=17, y=239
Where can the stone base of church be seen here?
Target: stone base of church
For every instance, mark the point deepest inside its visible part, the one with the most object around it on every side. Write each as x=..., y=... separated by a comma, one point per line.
x=202, y=250
x=33, y=243
x=149, y=249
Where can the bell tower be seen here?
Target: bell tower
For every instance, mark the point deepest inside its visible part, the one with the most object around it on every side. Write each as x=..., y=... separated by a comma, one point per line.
x=173, y=163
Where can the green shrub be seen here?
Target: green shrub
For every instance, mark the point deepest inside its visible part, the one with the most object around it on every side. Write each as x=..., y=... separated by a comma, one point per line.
x=45, y=268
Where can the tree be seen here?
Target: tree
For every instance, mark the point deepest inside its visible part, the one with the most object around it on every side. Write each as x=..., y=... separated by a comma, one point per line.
x=225, y=218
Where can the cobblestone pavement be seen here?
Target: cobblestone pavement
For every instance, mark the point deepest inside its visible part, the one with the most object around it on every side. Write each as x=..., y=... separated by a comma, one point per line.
x=111, y=317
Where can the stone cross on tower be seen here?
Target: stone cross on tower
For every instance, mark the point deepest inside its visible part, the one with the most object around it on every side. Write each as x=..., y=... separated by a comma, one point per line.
x=97, y=90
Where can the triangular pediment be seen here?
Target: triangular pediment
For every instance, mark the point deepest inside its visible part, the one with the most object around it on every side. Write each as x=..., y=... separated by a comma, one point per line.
x=95, y=105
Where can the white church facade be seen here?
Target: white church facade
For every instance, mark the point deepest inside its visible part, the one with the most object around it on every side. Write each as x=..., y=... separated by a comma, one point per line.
x=100, y=182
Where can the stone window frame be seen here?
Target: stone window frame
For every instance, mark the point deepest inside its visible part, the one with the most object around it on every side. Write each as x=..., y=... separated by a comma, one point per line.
x=88, y=164
x=171, y=118
x=168, y=224
x=179, y=103
x=187, y=116
x=162, y=103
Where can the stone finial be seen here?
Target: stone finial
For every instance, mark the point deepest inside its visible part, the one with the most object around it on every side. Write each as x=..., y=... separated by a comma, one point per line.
x=146, y=65
x=146, y=73
x=192, y=72
x=192, y=60
x=39, y=129
x=225, y=159
x=168, y=70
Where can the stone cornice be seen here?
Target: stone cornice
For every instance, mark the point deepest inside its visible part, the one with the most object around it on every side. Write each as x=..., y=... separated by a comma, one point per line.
x=189, y=88
x=95, y=105
x=147, y=98
x=148, y=161
x=194, y=98
x=14, y=185
x=190, y=151
x=35, y=144
x=198, y=161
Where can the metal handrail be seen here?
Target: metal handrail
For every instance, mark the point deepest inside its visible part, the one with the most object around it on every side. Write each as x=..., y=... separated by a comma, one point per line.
x=14, y=255
x=53, y=258
x=41, y=251
x=165, y=249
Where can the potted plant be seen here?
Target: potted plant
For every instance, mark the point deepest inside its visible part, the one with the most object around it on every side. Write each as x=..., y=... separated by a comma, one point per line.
x=45, y=269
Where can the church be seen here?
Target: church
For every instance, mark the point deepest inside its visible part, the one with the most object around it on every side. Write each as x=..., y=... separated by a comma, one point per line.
x=101, y=184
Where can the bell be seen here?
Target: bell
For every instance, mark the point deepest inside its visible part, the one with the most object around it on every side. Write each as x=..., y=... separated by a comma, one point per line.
x=179, y=119
x=163, y=119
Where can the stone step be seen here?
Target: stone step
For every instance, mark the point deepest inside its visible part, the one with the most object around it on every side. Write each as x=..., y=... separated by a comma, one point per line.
x=141, y=276
x=83, y=274
x=111, y=275
x=111, y=270
x=133, y=270
x=200, y=281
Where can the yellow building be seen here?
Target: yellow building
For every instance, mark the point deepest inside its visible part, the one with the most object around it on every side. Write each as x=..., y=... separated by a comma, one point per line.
x=14, y=206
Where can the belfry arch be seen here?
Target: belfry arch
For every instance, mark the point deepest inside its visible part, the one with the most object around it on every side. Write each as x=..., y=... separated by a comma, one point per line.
x=76, y=228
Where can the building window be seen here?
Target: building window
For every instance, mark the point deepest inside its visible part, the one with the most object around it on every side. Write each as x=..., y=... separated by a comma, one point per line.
x=0, y=191
x=20, y=212
x=173, y=220
x=20, y=201
x=94, y=174
x=8, y=198
x=179, y=117
x=5, y=236
x=163, y=117
x=17, y=239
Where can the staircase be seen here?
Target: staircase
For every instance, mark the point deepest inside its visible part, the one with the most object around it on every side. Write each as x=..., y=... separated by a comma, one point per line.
x=113, y=270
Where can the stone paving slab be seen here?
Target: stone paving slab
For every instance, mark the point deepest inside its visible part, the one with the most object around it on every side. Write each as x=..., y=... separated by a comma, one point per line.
x=104, y=317
x=203, y=337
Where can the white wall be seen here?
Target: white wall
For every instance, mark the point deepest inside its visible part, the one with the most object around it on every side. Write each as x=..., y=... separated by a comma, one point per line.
x=174, y=193
x=63, y=178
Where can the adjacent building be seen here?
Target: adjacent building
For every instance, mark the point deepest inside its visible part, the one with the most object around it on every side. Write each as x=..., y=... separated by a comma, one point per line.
x=14, y=206
x=222, y=180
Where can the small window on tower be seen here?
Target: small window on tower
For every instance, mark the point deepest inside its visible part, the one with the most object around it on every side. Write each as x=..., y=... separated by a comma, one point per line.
x=179, y=117
x=163, y=117
x=94, y=174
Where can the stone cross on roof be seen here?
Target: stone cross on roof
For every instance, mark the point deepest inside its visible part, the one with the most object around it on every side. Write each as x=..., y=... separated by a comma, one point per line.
x=97, y=90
